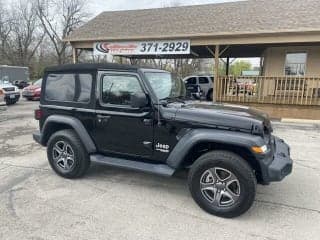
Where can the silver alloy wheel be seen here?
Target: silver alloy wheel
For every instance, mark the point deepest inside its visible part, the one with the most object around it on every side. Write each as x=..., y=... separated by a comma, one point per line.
x=63, y=155
x=220, y=187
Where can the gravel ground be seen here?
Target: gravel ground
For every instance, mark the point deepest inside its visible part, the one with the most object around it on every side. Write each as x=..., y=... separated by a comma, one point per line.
x=110, y=203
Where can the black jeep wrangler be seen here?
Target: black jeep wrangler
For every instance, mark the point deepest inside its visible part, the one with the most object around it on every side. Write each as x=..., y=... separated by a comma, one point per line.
x=139, y=118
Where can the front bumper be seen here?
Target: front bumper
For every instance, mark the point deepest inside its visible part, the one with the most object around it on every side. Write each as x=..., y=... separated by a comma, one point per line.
x=12, y=96
x=30, y=94
x=276, y=166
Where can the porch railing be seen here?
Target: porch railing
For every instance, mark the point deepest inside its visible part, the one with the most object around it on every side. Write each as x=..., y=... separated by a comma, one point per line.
x=275, y=90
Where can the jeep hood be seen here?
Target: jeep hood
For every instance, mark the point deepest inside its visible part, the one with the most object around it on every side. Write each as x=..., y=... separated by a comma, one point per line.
x=225, y=116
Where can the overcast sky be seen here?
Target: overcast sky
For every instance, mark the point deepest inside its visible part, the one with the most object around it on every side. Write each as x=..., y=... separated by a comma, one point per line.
x=98, y=6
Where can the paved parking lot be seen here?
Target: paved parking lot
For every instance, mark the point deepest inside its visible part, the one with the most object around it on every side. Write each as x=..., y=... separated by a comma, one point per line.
x=118, y=204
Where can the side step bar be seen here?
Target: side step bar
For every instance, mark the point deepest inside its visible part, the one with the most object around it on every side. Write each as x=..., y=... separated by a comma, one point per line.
x=159, y=169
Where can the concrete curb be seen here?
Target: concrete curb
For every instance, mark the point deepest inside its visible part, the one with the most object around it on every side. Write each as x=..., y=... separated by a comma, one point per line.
x=294, y=120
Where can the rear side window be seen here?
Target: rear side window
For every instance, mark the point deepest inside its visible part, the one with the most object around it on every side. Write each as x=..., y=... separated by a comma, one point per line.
x=203, y=80
x=68, y=87
x=192, y=80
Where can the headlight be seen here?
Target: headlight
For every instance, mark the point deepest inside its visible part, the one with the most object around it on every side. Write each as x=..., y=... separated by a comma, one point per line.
x=260, y=150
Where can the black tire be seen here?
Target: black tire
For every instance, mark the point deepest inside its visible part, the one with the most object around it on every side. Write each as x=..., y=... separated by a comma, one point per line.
x=81, y=157
x=210, y=95
x=236, y=165
x=196, y=97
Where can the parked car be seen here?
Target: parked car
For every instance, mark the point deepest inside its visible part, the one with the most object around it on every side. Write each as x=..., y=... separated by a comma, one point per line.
x=21, y=84
x=204, y=84
x=136, y=118
x=2, y=101
x=243, y=86
x=33, y=91
x=11, y=92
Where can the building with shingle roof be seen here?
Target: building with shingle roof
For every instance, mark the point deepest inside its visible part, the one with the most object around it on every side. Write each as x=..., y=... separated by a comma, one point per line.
x=284, y=34
x=212, y=20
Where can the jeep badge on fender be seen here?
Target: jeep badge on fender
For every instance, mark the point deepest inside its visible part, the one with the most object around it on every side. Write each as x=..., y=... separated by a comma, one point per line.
x=141, y=119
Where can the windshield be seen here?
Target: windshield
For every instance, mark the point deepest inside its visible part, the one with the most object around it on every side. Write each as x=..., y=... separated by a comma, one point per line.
x=38, y=82
x=165, y=85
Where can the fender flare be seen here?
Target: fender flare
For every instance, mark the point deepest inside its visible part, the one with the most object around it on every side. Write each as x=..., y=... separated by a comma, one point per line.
x=75, y=124
x=195, y=136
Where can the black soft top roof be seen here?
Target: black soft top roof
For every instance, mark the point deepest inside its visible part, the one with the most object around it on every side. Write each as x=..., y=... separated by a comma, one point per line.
x=91, y=67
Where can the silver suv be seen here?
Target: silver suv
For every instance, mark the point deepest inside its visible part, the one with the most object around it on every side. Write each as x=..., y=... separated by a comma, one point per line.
x=11, y=93
x=200, y=86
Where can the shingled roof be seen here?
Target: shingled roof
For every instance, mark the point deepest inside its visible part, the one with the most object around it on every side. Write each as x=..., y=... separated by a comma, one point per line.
x=235, y=18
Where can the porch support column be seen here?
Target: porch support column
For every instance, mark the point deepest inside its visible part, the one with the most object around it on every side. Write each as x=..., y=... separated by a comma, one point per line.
x=261, y=64
x=74, y=55
x=227, y=66
x=216, y=73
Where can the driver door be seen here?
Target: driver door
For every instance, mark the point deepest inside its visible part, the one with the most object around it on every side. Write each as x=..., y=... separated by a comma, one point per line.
x=121, y=128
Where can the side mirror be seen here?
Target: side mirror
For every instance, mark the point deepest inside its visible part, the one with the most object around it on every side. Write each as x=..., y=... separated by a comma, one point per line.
x=139, y=100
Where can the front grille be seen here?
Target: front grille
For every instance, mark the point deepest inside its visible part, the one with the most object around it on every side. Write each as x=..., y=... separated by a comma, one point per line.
x=9, y=89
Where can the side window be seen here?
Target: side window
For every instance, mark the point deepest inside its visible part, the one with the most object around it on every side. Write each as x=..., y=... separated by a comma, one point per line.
x=85, y=81
x=296, y=64
x=60, y=87
x=117, y=89
x=191, y=80
x=68, y=87
x=203, y=80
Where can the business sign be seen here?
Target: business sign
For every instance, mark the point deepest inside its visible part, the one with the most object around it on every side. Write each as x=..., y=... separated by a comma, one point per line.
x=143, y=48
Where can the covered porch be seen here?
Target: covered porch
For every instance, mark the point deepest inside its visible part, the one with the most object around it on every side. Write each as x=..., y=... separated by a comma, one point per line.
x=211, y=32
x=289, y=74
x=286, y=90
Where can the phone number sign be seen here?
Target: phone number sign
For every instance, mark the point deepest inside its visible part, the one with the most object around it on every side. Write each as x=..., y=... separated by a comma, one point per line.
x=143, y=48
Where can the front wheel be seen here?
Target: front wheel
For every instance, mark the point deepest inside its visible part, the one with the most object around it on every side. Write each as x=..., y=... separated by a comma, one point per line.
x=222, y=183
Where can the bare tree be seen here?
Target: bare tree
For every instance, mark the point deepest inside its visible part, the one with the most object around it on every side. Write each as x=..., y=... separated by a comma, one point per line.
x=5, y=29
x=58, y=19
x=20, y=35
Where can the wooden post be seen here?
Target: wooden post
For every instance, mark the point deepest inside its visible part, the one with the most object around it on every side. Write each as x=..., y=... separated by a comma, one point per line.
x=227, y=66
x=216, y=73
x=74, y=55
x=261, y=65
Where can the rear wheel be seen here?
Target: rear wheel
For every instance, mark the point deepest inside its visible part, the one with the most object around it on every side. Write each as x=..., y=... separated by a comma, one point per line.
x=210, y=95
x=66, y=154
x=222, y=183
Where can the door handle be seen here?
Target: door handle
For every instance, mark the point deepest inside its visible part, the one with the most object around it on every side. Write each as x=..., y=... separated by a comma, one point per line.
x=102, y=118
